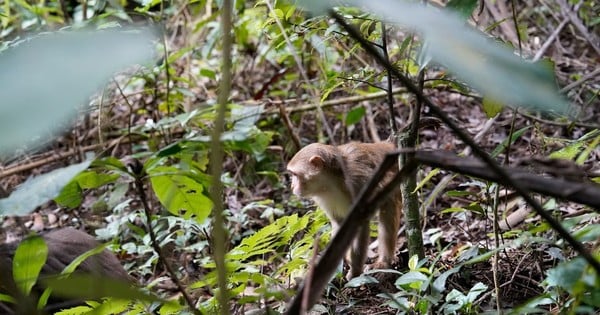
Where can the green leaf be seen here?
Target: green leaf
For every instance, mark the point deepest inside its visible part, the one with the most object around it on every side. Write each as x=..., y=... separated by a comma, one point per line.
x=208, y=73
x=439, y=284
x=413, y=262
x=36, y=191
x=502, y=146
x=92, y=179
x=7, y=298
x=95, y=287
x=491, y=108
x=71, y=196
x=360, y=281
x=587, y=151
x=567, y=274
x=569, y=152
x=414, y=279
x=475, y=291
x=111, y=163
x=355, y=115
x=464, y=8
x=427, y=178
x=28, y=261
x=180, y=194
x=46, y=78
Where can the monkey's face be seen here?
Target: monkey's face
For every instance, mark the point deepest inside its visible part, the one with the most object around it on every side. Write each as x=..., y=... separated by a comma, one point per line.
x=297, y=184
x=300, y=183
x=305, y=180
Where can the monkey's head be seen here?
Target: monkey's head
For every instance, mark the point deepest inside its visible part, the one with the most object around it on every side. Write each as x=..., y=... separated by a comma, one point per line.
x=314, y=169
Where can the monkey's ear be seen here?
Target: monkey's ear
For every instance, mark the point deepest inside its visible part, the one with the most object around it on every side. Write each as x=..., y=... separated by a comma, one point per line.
x=316, y=161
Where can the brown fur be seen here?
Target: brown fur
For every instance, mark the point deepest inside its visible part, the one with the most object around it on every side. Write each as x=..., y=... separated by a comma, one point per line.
x=333, y=176
x=64, y=245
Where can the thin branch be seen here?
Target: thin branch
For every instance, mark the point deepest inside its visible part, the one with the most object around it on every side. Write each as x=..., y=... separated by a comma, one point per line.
x=216, y=160
x=139, y=185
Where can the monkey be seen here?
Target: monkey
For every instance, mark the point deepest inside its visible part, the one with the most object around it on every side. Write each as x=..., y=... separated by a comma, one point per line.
x=64, y=245
x=333, y=177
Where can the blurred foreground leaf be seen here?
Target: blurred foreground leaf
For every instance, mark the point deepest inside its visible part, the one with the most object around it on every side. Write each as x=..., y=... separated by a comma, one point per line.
x=38, y=190
x=95, y=287
x=29, y=259
x=45, y=78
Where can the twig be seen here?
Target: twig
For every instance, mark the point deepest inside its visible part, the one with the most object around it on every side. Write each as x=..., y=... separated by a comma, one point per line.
x=335, y=102
x=558, y=187
x=549, y=40
x=371, y=126
x=139, y=184
x=592, y=75
x=288, y=124
x=390, y=96
x=309, y=276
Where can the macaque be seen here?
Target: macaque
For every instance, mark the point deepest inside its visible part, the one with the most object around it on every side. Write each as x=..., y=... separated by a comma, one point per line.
x=64, y=245
x=333, y=176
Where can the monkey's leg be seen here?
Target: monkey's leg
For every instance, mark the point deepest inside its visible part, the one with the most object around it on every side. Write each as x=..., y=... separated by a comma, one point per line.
x=389, y=224
x=358, y=252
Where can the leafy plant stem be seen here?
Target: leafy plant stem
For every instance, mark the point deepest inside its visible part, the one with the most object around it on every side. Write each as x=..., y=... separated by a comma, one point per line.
x=390, y=96
x=516, y=24
x=139, y=184
x=409, y=197
x=216, y=159
x=496, y=229
x=167, y=75
x=469, y=141
x=129, y=134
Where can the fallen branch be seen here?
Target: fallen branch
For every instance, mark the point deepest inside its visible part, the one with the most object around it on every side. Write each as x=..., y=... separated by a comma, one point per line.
x=580, y=192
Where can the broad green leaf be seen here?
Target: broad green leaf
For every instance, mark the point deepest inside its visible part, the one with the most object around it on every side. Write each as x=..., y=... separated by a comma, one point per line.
x=567, y=274
x=180, y=194
x=92, y=179
x=355, y=115
x=28, y=261
x=38, y=190
x=439, y=284
x=46, y=78
x=413, y=279
x=94, y=287
x=486, y=65
x=360, y=281
x=413, y=262
x=71, y=196
x=475, y=291
x=111, y=163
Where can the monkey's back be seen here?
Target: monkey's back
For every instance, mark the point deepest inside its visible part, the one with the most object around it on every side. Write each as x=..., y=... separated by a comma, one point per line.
x=363, y=159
